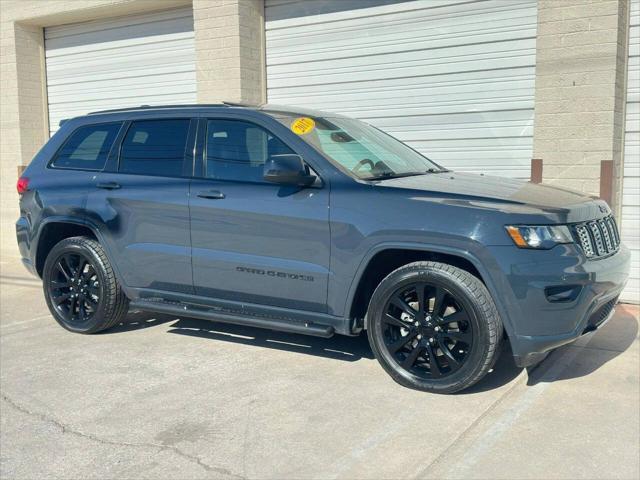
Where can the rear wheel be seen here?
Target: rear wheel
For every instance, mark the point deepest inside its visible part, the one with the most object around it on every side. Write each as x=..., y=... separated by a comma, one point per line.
x=80, y=287
x=434, y=327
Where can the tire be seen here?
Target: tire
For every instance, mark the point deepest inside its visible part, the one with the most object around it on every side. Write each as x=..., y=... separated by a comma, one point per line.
x=85, y=301
x=443, y=344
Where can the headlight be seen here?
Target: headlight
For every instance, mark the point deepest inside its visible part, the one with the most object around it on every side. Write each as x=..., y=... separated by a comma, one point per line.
x=541, y=237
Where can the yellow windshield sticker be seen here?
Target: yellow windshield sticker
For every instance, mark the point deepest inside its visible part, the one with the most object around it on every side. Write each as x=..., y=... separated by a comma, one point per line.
x=303, y=125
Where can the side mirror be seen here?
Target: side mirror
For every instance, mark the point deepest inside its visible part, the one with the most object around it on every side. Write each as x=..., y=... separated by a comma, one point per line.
x=287, y=169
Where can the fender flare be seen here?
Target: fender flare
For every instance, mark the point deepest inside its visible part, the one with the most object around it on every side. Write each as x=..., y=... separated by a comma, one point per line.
x=487, y=278
x=84, y=223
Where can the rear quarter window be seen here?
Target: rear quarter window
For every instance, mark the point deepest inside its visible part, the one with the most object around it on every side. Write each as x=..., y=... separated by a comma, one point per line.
x=87, y=147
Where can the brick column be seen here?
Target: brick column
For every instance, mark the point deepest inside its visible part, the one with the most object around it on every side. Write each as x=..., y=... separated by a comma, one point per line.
x=581, y=60
x=22, y=114
x=230, y=50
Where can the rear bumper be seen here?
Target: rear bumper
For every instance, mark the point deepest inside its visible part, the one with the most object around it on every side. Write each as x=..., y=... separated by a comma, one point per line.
x=24, y=244
x=539, y=321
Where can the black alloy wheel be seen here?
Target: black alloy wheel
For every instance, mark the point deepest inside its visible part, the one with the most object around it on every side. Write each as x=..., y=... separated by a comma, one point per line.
x=434, y=327
x=427, y=331
x=81, y=288
x=74, y=288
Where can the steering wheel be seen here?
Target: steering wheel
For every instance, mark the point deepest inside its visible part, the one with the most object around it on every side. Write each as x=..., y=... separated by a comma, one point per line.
x=362, y=163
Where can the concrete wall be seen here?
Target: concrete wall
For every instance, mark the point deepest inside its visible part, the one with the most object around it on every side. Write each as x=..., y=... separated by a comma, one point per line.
x=229, y=55
x=580, y=89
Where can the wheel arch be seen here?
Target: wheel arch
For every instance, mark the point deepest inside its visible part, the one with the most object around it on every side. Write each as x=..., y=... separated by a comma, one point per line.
x=383, y=259
x=54, y=230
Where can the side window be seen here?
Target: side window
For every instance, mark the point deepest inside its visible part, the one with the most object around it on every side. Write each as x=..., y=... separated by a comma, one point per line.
x=87, y=148
x=154, y=147
x=237, y=150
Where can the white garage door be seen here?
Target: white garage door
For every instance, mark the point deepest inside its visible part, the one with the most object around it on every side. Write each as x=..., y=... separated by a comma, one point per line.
x=120, y=62
x=455, y=80
x=631, y=184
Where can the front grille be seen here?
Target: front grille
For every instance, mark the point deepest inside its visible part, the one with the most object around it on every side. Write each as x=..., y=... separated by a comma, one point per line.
x=598, y=238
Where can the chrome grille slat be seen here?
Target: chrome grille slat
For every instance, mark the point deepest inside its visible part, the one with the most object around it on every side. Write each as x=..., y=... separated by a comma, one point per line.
x=598, y=238
x=614, y=227
x=607, y=236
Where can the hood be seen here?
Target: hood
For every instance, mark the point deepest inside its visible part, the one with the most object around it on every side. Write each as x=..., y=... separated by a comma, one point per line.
x=506, y=194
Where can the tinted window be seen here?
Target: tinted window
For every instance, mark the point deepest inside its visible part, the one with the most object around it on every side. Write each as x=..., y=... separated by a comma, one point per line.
x=238, y=150
x=88, y=147
x=154, y=147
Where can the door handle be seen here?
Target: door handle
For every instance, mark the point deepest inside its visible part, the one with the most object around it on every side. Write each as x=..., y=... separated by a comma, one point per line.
x=108, y=185
x=211, y=194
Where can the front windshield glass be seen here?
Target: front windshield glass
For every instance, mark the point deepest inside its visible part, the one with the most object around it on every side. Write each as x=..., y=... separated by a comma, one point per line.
x=358, y=148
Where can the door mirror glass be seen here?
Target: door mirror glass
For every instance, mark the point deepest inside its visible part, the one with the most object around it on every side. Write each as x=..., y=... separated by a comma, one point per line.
x=288, y=169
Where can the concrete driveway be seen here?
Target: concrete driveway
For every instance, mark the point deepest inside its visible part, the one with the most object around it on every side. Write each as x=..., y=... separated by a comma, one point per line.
x=165, y=397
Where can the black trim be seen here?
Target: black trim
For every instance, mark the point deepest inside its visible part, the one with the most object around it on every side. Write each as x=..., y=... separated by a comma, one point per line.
x=243, y=309
x=190, y=149
x=198, y=167
x=111, y=166
x=218, y=315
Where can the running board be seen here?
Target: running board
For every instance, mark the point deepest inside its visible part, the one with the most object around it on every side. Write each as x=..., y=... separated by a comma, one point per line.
x=215, y=315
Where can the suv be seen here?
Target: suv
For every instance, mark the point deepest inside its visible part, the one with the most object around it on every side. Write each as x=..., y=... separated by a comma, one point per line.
x=313, y=223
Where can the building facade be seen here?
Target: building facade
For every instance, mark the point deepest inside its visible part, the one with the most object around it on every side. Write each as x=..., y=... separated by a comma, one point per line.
x=544, y=90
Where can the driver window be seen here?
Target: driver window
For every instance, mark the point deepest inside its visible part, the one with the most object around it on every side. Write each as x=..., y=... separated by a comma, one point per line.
x=237, y=150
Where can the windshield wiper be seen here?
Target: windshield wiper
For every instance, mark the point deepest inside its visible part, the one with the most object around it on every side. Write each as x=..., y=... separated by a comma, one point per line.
x=387, y=175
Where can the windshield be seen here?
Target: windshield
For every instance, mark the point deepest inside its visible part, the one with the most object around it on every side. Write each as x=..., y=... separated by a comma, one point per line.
x=358, y=148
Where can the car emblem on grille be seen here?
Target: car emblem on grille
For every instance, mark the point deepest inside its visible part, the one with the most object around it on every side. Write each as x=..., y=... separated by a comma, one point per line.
x=603, y=209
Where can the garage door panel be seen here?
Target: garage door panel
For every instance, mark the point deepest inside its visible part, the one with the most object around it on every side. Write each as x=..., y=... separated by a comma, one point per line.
x=108, y=46
x=321, y=15
x=121, y=62
x=71, y=109
x=125, y=70
x=334, y=49
x=631, y=222
x=418, y=97
x=120, y=53
x=477, y=78
x=631, y=192
x=630, y=218
x=448, y=77
x=386, y=66
x=133, y=29
x=507, y=117
x=184, y=79
x=179, y=52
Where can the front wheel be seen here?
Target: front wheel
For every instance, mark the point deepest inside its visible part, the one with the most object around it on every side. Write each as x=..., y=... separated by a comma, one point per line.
x=434, y=327
x=80, y=287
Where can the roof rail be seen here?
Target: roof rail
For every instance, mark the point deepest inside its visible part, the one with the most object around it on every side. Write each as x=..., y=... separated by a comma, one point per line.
x=242, y=104
x=154, y=107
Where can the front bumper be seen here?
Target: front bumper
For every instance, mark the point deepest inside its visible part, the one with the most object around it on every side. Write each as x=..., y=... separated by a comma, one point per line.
x=538, y=321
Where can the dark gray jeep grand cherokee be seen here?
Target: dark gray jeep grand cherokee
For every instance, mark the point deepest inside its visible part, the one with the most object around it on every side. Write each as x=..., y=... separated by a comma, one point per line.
x=312, y=223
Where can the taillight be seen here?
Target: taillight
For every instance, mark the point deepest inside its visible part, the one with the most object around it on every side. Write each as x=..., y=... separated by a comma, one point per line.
x=22, y=185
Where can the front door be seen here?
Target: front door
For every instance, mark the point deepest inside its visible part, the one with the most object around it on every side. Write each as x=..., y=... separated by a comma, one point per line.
x=254, y=241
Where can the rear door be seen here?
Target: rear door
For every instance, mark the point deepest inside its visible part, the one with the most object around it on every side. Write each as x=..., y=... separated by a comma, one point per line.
x=255, y=241
x=140, y=204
